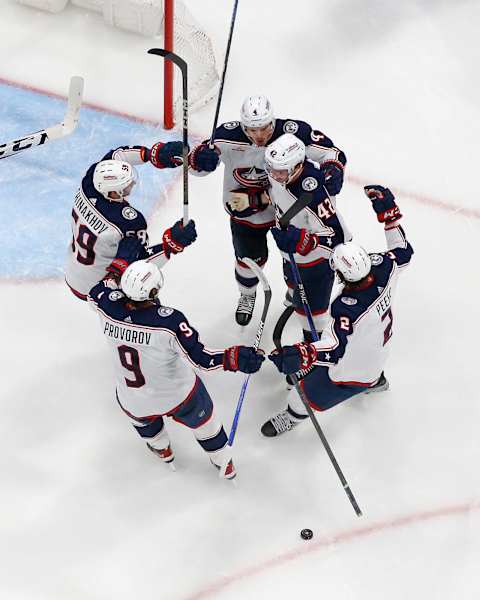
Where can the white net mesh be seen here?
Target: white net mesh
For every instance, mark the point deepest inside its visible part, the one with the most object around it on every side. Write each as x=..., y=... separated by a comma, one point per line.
x=195, y=47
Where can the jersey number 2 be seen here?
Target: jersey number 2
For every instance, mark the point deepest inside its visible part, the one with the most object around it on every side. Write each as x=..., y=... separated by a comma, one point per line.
x=85, y=241
x=387, y=333
x=131, y=361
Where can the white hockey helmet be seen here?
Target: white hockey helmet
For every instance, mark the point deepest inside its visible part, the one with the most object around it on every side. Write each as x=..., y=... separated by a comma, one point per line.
x=256, y=111
x=114, y=176
x=284, y=154
x=351, y=260
x=141, y=280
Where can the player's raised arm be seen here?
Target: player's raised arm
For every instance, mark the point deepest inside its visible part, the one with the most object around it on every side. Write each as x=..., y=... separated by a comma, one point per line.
x=388, y=213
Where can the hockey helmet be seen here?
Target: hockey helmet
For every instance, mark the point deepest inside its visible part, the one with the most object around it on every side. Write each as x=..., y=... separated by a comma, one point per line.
x=351, y=261
x=284, y=154
x=114, y=176
x=256, y=111
x=141, y=281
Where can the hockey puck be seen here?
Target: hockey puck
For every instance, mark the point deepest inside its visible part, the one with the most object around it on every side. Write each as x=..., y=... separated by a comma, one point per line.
x=306, y=534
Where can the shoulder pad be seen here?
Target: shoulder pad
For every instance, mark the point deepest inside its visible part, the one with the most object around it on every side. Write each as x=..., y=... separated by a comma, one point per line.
x=231, y=132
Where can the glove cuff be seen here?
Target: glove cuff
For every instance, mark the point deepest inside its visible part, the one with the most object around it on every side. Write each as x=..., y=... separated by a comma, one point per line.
x=308, y=355
x=230, y=359
x=117, y=266
x=390, y=215
x=308, y=241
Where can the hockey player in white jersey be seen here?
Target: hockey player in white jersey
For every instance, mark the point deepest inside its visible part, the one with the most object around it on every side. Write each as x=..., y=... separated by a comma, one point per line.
x=154, y=348
x=312, y=234
x=240, y=146
x=350, y=357
x=102, y=216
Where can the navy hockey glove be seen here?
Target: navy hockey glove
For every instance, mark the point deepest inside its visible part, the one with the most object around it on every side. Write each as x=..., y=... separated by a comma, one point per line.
x=383, y=203
x=242, y=358
x=176, y=238
x=291, y=359
x=333, y=173
x=129, y=250
x=293, y=240
x=204, y=158
x=166, y=156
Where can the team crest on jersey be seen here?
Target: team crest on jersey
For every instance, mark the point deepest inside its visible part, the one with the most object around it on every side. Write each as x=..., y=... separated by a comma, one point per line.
x=231, y=124
x=164, y=311
x=376, y=259
x=115, y=295
x=349, y=301
x=290, y=127
x=129, y=213
x=251, y=177
x=309, y=184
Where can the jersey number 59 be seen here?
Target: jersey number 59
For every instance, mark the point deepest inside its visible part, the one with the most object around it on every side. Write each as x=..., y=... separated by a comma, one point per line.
x=83, y=242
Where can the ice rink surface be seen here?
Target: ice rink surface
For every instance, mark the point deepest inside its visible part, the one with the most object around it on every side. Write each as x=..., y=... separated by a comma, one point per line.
x=85, y=511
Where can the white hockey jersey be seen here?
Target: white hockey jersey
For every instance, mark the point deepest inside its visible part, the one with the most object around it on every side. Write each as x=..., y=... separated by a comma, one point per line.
x=245, y=162
x=98, y=226
x=153, y=352
x=355, y=343
x=320, y=216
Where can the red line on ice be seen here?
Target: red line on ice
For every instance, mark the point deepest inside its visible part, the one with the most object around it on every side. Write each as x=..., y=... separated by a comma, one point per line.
x=308, y=548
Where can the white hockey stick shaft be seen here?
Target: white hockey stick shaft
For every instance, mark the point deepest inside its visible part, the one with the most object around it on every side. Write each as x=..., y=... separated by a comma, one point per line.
x=38, y=138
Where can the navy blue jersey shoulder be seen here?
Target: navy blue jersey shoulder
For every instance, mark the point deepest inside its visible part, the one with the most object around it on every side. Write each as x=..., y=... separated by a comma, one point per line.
x=114, y=304
x=121, y=214
x=231, y=132
x=311, y=180
x=302, y=130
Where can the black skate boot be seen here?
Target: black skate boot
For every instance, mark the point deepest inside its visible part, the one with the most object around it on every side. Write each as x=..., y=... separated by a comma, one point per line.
x=281, y=423
x=382, y=385
x=245, y=307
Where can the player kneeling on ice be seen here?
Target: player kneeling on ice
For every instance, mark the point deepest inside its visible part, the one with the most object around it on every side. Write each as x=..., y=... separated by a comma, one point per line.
x=102, y=216
x=350, y=356
x=154, y=348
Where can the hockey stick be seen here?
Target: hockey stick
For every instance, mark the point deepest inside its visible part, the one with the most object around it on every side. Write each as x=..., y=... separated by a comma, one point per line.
x=182, y=65
x=222, y=81
x=268, y=296
x=70, y=121
x=280, y=325
x=301, y=393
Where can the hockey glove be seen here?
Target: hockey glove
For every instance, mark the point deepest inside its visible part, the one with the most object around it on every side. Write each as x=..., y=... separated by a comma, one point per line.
x=242, y=358
x=166, y=156
x=204, y=158
x=129, y=250
x=383, y=203
x=244, y=198
x=293, y=240
x=291, y=359
x=332, y=171
x=176, y=238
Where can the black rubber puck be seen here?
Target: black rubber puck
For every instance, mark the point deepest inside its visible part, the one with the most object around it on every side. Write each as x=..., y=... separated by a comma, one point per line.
x=306, y=534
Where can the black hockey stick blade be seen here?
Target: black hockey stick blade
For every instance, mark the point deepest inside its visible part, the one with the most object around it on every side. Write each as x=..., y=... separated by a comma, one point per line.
x=296, y=207
x=181, y=64
x=280, y=326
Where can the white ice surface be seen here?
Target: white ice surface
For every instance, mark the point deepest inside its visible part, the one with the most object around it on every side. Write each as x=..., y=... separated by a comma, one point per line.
x=86, y=512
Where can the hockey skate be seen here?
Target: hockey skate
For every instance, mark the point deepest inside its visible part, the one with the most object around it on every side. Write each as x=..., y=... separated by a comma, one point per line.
x=230, y=472
x=382, y=385
x=279, y=424
x=245, y=308
x=166, y=454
